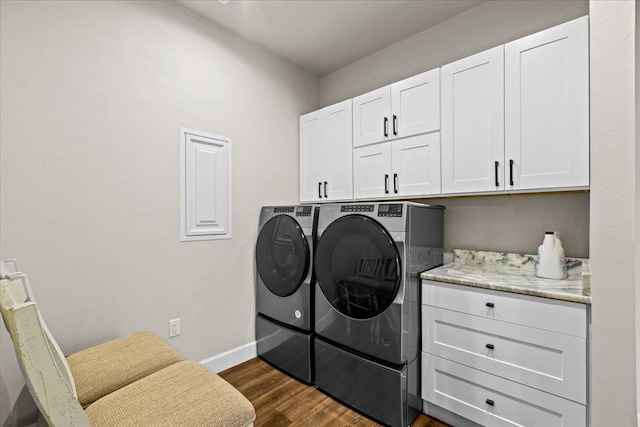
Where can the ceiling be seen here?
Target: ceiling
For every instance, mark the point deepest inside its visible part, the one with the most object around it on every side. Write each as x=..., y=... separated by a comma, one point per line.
x=322, y=36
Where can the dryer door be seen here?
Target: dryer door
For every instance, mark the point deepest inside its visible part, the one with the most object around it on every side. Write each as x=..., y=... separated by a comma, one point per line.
x=357, y=267
x=282, y=255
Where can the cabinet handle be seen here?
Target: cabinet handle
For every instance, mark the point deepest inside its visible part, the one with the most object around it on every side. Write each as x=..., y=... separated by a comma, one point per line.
x=511, y=172
x=490, y=304
x=320, y=190
x=325, y=189
x=395, y=125
x=386, y=184
x=395, y=183
x=490, y=402
x=490, y=346
x=496, y=166
x=386, y=127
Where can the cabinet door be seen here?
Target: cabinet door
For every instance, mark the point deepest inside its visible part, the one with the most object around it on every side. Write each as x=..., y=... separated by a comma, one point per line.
x=415, y=104
x=473, y=123
x=371, y=117
x=372, y=171
x=310, y=155
x=547, y=108
x=416, y=165
x=337, y=160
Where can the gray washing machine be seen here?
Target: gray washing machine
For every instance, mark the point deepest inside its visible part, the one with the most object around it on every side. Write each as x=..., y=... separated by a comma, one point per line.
x=367, y=264
x=285, y=288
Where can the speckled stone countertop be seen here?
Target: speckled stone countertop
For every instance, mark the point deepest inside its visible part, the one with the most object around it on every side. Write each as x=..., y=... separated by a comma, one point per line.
x=514, y=273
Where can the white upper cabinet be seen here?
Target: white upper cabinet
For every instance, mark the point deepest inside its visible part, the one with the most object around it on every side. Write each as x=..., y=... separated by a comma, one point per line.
x=408, y=107
x=473, y=123
x=415, y=165
x=547, y=108
x=372, y=171
x=310, y=154
x=336, y=159
x=407, y=167
x=415, y=105
x=326, y=154
x=371, y=113
x=516, y=117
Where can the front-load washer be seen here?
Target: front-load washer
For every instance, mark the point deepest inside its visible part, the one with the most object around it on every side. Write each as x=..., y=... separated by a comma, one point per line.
x=285, y=289
x=367, y=263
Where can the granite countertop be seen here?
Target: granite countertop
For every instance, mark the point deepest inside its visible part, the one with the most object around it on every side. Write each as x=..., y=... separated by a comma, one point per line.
x=514, y=273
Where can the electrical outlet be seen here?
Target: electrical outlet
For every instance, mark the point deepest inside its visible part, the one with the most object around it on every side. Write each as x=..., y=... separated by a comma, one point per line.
x=174, y=327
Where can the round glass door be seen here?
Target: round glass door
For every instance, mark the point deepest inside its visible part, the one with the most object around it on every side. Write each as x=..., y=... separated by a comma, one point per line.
x=282, y=255
x=357, y=266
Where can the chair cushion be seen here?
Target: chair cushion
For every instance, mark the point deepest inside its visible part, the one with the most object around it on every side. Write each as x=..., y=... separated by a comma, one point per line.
x=104, y=368
x=184, y=394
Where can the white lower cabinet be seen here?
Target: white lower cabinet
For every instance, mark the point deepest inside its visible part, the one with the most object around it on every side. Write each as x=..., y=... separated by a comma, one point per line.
x=493, y=401
x=404, y=167
x=502, y=359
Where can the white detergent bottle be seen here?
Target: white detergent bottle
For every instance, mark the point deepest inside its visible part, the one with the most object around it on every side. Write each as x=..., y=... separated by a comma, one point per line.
x=551, y=263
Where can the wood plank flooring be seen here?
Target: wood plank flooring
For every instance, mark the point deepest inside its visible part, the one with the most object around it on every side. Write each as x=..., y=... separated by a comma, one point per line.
x=282, y=401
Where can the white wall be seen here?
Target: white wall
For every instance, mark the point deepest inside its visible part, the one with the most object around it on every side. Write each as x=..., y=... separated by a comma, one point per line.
x=93, y=96
x=612, y=248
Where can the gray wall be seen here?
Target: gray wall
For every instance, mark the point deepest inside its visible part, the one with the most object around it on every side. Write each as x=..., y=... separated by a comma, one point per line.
x=483, y=27
x=516, y=223
x=93, y=96
x=613, y=214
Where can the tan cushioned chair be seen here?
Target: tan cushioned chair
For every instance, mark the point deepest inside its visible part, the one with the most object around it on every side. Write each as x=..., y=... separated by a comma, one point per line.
x=138, y=380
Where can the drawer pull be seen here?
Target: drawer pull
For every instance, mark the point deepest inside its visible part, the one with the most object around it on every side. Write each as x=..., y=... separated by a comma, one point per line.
x=490, y=304
x=489, y=402
x=490, y=346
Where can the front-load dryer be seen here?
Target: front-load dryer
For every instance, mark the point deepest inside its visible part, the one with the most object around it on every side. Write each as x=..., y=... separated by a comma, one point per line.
x=368, y=261
x=285, y=289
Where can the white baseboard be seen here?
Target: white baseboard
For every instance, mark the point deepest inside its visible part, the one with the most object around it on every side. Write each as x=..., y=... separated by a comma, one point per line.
x=230, y=358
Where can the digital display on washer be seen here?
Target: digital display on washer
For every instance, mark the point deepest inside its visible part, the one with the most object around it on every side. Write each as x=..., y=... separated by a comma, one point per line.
x=283, y=209
x=390, y=210
x=303, y=211
x=356, y=208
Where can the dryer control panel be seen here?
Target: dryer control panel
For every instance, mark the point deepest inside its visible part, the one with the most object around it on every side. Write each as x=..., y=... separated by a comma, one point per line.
x=356, y=208
x=390, y=210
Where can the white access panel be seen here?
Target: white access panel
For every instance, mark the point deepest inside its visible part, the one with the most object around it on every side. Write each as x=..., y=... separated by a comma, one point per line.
x=205, y=184
x=547, y=108
x=372, y=171
x=473, y=123
x=415, y=104
x=371, y=117
x=416, y=165
x=311, y=151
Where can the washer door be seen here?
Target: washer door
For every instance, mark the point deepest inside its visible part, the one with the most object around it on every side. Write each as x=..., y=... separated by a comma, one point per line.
x=357, y=267
x=282, y=255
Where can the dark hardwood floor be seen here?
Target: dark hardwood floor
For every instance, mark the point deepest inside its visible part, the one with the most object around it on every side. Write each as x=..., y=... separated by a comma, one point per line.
x=281, y=401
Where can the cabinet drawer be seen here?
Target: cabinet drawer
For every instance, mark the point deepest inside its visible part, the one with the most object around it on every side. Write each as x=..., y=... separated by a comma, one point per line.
x=548, y=361
x=541, y=313
x=468, y=392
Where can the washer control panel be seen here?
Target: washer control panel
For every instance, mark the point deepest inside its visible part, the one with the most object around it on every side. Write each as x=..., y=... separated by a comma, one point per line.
x=303, y=210
x=284, y=209
x=356, y=208
x=394, y=209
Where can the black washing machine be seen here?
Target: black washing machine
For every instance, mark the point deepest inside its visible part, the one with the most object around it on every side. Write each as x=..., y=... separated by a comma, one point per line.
x=367, y=263
x=285, y=289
